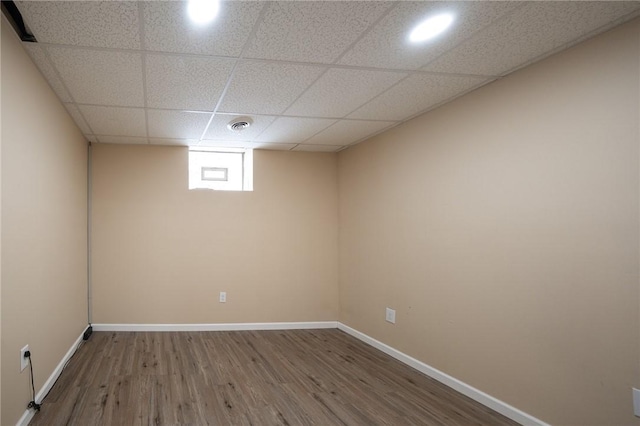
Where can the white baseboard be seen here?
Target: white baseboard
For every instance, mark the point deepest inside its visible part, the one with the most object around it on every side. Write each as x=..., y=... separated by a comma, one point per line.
x=465, y=389
x=216, y=327
x=28, y=414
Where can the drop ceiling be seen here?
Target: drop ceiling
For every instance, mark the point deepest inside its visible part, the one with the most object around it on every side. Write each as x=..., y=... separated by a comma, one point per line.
x=312, y=76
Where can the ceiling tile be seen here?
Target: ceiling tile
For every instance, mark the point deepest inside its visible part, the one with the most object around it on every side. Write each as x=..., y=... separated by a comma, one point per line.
x=103, y=58
x=387, y=45
x=339, y=91
x=84, y=23
x=346, y=132
x=38, y=56
x=415, y=94
x=99, y=76
x=129, y=140
x=293, y=130
x=176, y=124
x=167, y=28
x=531, y=31
x=247, y=145
x=182, y=82
x=114, y=121
x=267, y=87
x=180, y=142
x=312, y=31
x=218, y=128
x=317, y=148
x=77, y=117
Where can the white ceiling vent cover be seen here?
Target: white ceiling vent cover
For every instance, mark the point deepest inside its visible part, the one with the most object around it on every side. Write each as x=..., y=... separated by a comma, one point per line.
x=239, y=124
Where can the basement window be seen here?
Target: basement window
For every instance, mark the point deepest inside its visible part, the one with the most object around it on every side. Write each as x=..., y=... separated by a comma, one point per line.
x=221, y=169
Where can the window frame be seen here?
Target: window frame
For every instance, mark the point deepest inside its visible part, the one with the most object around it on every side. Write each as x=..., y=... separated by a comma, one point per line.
x=197, y=179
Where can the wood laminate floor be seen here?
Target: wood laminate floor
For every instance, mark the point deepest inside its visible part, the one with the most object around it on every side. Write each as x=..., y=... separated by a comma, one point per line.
x=294, y=377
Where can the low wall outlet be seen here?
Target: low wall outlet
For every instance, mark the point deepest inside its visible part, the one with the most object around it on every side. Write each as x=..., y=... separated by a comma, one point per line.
x=636, y=401
x=23, y=360
x=223, y=297
x=391, y=316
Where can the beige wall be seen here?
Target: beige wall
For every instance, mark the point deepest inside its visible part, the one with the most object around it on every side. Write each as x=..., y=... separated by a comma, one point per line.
x=1, y=24
x=503, y=228
x=44, y=227
x=162, y=253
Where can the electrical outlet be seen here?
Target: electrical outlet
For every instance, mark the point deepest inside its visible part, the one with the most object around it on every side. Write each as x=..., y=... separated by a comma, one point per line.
x=223, y=297
x=391, y=316
x=636, y=401
x=24, y=361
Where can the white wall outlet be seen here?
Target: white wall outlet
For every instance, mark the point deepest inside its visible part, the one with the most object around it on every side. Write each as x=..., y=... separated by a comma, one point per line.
x=223, y=297
x=636, y=401
x=23, y=360
x=391, y=316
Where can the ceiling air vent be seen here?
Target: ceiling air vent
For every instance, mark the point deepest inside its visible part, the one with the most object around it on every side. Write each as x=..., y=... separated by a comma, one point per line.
x=239, y=124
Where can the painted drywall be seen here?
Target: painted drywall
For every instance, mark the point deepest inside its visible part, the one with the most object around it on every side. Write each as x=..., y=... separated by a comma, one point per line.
x=503, y=229
x=44, y=227
x=1, y=23
x=162, y=253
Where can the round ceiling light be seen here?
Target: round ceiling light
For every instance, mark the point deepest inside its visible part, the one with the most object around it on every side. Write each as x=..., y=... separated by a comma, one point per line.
x=431, y=28
x=239, y=124
x=203, y=11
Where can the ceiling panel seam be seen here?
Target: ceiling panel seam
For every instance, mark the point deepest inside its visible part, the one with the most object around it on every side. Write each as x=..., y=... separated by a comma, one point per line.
x=143, y=56
x=477, y=32
x=252, y=34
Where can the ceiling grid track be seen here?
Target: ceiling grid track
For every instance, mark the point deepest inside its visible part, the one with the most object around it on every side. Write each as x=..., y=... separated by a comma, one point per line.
x=45, y=51
x=334, y=63
x=264, y=9
x=311, y=75
x=487, y=80
x=143, y=59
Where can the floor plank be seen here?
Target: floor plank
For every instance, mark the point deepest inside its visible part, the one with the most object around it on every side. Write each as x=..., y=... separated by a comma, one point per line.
x=292, y=377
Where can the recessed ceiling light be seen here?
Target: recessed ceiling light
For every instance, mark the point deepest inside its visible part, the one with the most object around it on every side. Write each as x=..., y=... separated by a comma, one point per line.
x=431, y=28
x=203, y=11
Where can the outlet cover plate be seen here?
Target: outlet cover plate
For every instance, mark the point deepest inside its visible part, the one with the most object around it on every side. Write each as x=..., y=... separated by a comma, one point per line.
x=223, y=297
x=636, y=401
x=391, y=316
x=23, y=361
